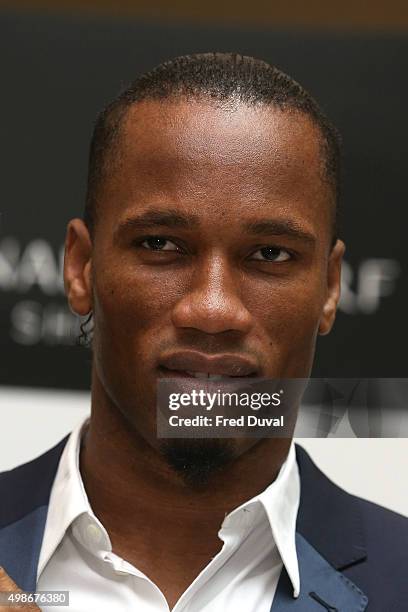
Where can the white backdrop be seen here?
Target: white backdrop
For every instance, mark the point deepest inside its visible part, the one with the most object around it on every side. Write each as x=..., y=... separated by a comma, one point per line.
x=34, y=420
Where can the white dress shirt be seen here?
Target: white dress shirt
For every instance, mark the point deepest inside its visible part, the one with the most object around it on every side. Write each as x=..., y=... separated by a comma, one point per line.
x=258, y=537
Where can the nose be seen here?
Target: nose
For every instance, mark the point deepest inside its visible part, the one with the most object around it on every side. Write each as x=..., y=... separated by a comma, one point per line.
x=213, y=303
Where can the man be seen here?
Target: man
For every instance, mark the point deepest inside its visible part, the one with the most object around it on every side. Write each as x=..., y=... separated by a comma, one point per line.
x=209, y=247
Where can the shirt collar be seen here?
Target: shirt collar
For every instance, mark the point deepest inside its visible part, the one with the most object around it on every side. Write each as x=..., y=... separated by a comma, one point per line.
x=68, y=501
x=68, y=498
x=281, y=502
x=278, y=505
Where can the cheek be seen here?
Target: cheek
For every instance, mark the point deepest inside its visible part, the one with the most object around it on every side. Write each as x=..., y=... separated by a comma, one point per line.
x=131, y=304
x=281, y=303
x=288, y=315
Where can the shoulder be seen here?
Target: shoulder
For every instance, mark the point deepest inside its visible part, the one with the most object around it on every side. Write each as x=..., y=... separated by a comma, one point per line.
x=384, y=573
x=363, y=540
x=386, y=536
x=28, y=486
x=380, y=522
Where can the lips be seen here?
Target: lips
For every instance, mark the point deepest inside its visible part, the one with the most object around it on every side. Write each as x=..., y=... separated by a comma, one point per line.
x=208, y=367
x=204, y=375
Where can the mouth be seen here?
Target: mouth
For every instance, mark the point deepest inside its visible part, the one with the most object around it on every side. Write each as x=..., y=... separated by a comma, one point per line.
x=191, y=364
x=206, y=376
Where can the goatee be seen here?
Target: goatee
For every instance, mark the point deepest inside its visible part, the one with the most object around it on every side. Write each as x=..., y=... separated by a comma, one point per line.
x=197, y=460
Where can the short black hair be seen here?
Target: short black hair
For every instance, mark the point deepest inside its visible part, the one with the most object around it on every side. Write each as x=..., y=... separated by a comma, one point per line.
x=220, y=77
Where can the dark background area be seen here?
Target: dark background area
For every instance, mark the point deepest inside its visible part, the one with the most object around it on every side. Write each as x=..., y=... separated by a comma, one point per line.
x=58, y=71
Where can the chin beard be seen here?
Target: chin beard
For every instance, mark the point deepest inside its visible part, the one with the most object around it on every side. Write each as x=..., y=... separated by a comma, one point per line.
x=197, y=460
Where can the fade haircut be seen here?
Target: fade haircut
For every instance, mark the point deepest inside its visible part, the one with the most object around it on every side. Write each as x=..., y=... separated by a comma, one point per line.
x=219, y=77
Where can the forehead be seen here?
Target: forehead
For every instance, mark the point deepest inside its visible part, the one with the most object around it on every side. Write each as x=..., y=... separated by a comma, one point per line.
x=219, y=133
x=218, y=155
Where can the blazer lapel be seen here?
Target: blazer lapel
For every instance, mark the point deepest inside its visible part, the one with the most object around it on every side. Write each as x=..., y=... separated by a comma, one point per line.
x=24, y=494
x=20, y=545
x=329, y=518
x=329, y=538
x=322, y=588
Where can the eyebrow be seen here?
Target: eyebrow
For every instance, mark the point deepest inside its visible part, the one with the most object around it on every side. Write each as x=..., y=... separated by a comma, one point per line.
x=286, y=227
x=155, y=218
x=158, y=218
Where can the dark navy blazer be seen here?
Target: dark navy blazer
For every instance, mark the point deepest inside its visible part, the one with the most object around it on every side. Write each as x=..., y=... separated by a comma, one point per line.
x=353, y=555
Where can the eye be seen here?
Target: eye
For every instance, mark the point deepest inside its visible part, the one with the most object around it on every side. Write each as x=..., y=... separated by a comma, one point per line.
x=157, y=243
x=272, y=253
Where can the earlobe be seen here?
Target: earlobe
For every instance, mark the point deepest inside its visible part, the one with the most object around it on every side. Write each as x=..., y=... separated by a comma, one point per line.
x=77, y=267
x=327, y=320
x=333, y=288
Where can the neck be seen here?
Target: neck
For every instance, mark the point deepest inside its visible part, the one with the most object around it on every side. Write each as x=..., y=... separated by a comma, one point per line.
x=130, y=484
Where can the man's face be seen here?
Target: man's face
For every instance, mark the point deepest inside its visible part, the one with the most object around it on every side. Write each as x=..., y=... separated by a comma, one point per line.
x=211, y=252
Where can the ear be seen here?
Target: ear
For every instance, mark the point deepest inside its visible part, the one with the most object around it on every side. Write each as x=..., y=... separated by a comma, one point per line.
x=77, y=267
x=333, y=288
